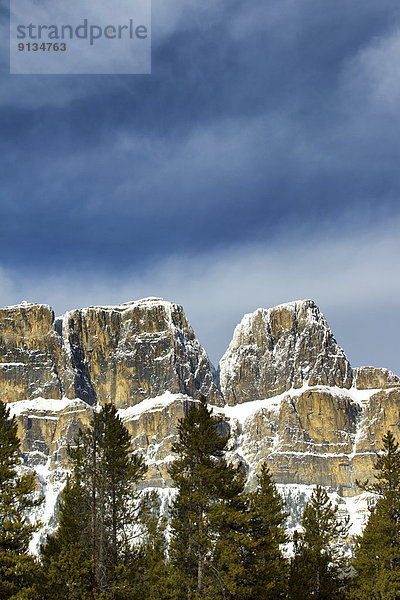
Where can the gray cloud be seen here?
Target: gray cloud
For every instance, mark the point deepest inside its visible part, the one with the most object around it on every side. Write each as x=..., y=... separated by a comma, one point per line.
x=353, y=278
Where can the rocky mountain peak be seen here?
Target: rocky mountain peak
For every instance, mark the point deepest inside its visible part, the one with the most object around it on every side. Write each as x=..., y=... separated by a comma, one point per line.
x=122, y=353
x=138, y=350
x=292, y=398
x=276, y=349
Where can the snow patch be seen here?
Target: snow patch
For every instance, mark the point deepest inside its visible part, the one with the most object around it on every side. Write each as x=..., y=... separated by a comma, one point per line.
x=52, y=486
x=241, y=412
x=45, y=405
x=150, y=404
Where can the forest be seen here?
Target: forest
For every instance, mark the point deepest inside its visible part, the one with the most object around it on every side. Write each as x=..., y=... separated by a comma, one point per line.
x=216, y=541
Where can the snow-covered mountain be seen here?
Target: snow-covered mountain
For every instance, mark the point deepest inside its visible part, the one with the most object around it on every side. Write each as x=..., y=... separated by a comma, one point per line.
x=281, y=348
x=287, y=392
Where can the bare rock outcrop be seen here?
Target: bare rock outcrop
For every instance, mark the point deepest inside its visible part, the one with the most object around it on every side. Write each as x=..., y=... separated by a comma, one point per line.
x=120, y=354
x=33, y=362
x=281, y=348
x=138, y=350
x=368, y=378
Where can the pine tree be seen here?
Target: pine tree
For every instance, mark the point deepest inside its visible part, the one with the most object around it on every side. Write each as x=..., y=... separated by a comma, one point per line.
x=228, y=523
x=148, y=572
x=207, y=491
x=266, y=572
x=18, y=497
x=377, y=552
x=97, y=515
x=319, y=568
x=247, y=554
x=66, y=559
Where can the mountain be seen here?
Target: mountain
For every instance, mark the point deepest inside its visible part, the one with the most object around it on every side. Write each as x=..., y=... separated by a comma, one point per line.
x=286, y=390
x=281, y=348
x=123, y=353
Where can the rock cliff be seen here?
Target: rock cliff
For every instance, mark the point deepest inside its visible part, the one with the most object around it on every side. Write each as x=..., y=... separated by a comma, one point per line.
x=120, y=353
x=287, y=392
x=367, y=378
x=33, y=361
x=281, y=348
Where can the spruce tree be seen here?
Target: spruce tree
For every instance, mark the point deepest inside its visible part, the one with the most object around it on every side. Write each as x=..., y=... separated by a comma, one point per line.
x=18, y=497
x=266, y=569
x=148, y=571
x=97, y=513
x=247, y=554
x=319, y=567
x=207, y=491
x=377, y=552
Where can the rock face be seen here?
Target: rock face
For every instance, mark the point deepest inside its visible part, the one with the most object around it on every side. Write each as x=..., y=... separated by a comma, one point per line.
x=138, y=350
x=281, y=348
x=367, y=378
x=318, y=435
x=46, y=428
x=287, y=392
x=33, y=362
x=309, y=414
x=119, y=354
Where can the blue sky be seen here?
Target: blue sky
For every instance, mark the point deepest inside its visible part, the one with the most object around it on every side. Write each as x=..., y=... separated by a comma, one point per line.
x=257, y=164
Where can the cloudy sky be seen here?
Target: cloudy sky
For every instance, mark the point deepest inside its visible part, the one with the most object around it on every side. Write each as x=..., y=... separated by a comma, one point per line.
x=257, y=164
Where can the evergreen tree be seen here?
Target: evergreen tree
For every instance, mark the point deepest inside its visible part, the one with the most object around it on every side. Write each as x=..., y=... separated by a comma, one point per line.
x=148, y=572
x=319, y=568
x=266, y=569
x=247, y=554
x=97, y=514
x=228, y=525
x=18, y=497
x=66, y=559
x=208, y=489
x=377, y=552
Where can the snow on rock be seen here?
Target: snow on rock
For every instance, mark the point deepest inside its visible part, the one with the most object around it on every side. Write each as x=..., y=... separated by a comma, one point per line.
x=149, y=404
x=45, y=405
x=322, y=434
x=46, y=426
x=279, y=348
x=137, y=350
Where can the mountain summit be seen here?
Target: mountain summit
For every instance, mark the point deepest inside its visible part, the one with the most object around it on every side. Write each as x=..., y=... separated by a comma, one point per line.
x=281, y=348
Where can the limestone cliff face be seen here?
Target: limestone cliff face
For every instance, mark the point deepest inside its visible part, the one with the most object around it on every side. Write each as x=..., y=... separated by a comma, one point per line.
x=46, y=427
x=307, y=437
x=281, y=348
x=119, y=354
x=33, y=362
x=138, y=350
x=153, y=427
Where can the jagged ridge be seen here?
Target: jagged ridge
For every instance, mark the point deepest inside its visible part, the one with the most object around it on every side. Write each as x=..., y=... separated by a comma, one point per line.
x=283, y=347
x=119, y=353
